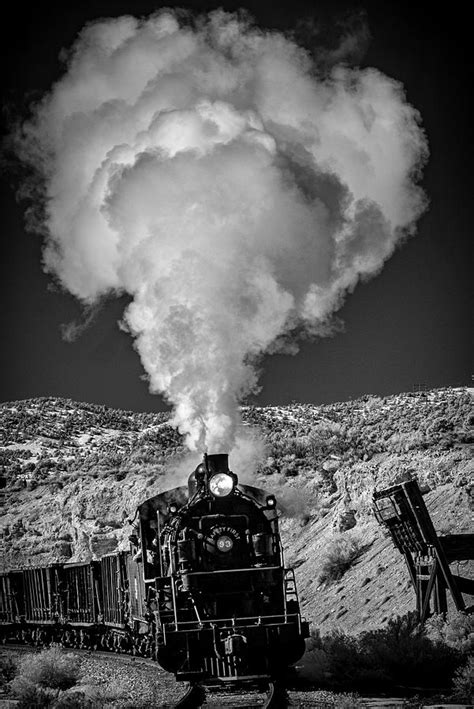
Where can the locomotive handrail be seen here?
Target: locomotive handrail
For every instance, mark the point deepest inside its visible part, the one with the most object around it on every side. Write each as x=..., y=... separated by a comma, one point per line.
x=232, y=571
x=251, y=620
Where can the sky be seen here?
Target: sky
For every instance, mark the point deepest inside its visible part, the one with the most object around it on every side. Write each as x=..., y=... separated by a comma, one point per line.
x=408, y=327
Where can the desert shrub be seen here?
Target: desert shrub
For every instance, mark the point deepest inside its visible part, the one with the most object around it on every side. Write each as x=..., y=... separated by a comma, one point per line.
x=51, y=670
x=47, y=698
x=345, y=666
x=340, y=554
x=463, y=683
x=399, y=654
x=406, y=655
x=8, y=670
x=114, y=693
x=332, y=660
x=117, y=694
x=339, y=700
x=314, y=665
x=457, y=630
x=30, y=695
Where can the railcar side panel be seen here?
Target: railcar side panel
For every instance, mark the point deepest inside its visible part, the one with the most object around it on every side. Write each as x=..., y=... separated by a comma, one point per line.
x=81, y=593
x=11, y=597
x=113, y=571
x=137, y=591
x=42, y=594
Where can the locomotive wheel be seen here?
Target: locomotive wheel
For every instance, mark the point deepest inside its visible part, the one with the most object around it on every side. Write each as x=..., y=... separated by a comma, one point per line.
x=194, y=698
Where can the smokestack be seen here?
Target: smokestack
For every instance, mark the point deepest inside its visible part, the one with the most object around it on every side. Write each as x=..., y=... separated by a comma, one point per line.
x=217, y=463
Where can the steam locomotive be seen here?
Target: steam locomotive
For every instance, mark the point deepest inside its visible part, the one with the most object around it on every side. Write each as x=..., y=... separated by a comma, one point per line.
x=203, y=589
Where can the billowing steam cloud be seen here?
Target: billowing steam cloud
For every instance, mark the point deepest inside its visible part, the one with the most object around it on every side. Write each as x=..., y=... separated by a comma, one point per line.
x=208, y=172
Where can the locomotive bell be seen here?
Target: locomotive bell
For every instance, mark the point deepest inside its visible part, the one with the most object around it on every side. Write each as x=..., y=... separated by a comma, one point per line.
x=197, y=480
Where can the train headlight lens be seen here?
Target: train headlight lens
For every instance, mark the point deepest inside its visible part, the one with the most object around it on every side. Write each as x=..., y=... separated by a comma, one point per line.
x=221, y=485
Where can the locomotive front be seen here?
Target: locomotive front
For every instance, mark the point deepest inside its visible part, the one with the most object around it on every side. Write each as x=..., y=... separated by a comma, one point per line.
x=226, y=609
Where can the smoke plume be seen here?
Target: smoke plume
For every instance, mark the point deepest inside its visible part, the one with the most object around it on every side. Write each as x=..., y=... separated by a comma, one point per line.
x=209, y=171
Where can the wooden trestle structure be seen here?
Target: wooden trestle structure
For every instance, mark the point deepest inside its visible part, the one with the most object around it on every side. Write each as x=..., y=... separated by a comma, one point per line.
x=402, y=511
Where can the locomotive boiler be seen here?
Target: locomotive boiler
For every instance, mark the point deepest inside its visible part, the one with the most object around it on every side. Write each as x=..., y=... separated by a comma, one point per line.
x=203, y=589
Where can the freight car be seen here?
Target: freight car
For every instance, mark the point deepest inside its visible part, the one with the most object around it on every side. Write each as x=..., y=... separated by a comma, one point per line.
x=203, y=589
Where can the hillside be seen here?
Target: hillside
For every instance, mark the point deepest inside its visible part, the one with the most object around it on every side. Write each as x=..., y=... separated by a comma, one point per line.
x=74, y=473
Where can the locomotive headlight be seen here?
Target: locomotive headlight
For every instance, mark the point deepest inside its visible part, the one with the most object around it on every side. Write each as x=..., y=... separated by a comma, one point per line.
x=221, y=485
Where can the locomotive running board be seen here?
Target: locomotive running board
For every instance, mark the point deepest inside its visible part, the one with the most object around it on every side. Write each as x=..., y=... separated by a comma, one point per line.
x=243, y=678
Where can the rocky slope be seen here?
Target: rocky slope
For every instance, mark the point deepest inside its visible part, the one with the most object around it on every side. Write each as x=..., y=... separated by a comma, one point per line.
x=73, y=474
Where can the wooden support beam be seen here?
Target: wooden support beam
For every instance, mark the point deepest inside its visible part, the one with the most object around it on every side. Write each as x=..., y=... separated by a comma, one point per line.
x=458, y=547
x=402, y=510
x=450, y=582
x=411, y=567
x=464, y=585
x=428, y=590
x=441, y=601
